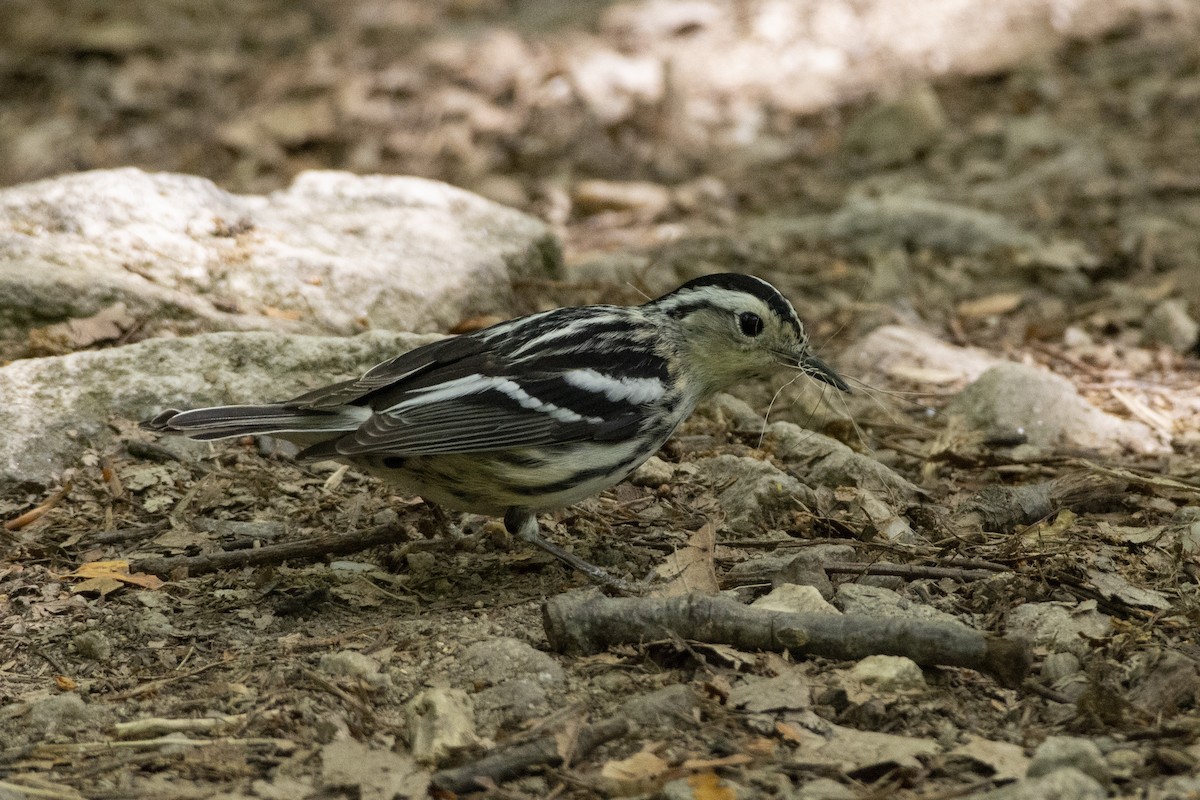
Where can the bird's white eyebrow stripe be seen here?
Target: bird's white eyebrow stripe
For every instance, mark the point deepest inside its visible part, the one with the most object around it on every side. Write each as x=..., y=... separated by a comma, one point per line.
x=630, y=390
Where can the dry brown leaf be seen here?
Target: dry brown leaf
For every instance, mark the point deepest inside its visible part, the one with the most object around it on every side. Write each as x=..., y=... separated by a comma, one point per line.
x=709, y=786
x=34, y=514
x=100, y=586
x=640, y=769
x=117, y=570
x=690, y=569
x=65, y=683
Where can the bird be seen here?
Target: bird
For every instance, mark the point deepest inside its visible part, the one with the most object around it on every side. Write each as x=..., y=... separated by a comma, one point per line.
x=538, y=412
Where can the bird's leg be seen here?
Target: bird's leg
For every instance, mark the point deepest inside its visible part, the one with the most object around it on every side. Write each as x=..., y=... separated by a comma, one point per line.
x=523, y=524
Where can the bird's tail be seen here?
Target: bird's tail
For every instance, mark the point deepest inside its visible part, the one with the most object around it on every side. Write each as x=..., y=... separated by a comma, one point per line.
x=288, y=422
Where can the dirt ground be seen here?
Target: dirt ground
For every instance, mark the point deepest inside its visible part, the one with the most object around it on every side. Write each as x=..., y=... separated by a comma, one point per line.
x=281, y=671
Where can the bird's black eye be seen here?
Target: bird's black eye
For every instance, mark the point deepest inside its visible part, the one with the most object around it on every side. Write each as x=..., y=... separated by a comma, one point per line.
x=751, y=324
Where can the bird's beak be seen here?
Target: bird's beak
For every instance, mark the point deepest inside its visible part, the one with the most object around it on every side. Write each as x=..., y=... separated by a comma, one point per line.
x=816, y=368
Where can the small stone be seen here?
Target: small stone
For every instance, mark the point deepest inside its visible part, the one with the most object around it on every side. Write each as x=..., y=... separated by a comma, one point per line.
x=889, y=674
x=663, y=707
x=875, y=601
x=441, y=723
x=646, y=201
x=1170, y=324
x=58, y=714
x=1060, y=626
x=898, y=131
x=93, y=645
x=420, y=562
x=352, y=664
x=788, y=691
x=503, y=189
x=1124, y=762
x=735, y=412
x=825, y=789
x=1075, y=338
x=1058, y=666
x=1062, y=752
x=654, y=473
x=756, y=491
x=794, y=599
x=1062, y=784
x=154, y=624
x=497, y=660
x=511, y=703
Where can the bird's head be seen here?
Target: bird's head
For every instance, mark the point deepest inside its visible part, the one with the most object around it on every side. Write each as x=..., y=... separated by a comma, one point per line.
x=736, y=327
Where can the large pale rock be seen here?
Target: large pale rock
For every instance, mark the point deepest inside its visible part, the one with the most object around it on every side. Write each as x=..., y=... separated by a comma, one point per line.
x=332, y=253
x=1049, y=411
x=56, y=408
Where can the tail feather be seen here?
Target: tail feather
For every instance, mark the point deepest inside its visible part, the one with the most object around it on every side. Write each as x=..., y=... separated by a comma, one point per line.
x=223, y=422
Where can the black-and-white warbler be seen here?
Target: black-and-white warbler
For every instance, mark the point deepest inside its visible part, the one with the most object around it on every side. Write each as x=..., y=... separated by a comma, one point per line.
x=539, y=412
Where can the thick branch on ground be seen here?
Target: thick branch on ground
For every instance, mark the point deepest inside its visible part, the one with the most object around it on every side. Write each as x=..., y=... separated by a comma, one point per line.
x=509, y=762
x=585, y=622
x=314, y=549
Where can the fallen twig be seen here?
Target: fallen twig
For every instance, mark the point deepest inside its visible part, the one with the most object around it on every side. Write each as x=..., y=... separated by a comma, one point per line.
x=586, y=622
x=910, y=571
x=316, y=548
x=34, y=514
x=158, y=726
x=508, y=762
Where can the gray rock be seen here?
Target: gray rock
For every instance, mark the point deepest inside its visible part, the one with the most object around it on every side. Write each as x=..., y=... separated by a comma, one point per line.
x=896, y=131
x=497, y=660
x=899, y=221
x=889, y=674
x=155, y=624
x=441, y=724
x=1058, y=666
x=912, y=222
x=653, y=473
x=1048, y=410
x=1069, y=752
x=58, y=714
x=1181, y=787
x=55, y=408
x=511, y=703
x=825, y=789
x=1060, y=626
x=913, y=355
x=338, y=251
x=353, y=664
x=755, y=491
x=93, y=645
x=663, y=707
x=1063, y=784
x=1033, y=136
x=793, y=599
x=875, y=601
x=1170, y=324
x=828, y=462
x=788, y=691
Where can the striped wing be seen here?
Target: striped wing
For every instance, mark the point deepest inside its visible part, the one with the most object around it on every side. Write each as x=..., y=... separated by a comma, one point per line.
x=499, y=389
